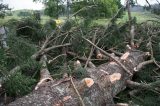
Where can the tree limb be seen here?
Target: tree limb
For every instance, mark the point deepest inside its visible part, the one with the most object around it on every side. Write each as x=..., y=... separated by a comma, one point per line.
x=109, y=55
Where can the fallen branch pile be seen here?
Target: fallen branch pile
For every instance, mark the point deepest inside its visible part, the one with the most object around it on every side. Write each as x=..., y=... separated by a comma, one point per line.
x=101, y=82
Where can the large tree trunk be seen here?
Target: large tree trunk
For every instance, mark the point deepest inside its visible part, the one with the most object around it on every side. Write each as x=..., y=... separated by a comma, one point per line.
x=109, y=79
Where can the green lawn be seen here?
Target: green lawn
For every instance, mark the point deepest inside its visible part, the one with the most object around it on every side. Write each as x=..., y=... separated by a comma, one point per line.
x=3, y=21
x=141, y=17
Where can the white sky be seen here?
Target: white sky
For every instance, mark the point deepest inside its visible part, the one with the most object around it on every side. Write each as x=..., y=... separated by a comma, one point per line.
x=29, y=4
x=23, y=4
x=143, y=2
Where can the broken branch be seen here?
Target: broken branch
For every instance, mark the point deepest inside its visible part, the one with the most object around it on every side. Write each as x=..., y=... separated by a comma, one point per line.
x=109, y=55
x=44, y=73
x=77, y=92
x=141, y=65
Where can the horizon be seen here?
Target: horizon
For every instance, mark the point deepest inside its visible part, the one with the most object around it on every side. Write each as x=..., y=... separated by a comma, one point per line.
x=30, y=5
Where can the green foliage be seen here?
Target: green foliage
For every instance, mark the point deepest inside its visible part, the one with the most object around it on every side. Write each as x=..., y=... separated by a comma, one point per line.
x=30, y=29
x=113, y=37
x=19, y=85
x=146, y=75
x=98, y=8
x=80, y=73
x=11, y=24
x=19, y=54
x=80, y=46
x=30, y=68
x=37, y=15
x=86, y=22
x=3, y=62
x=147, y=98
x=53, y=8
x=20, y=49
x=68, y=25
x=50, y=25
x=3, y=8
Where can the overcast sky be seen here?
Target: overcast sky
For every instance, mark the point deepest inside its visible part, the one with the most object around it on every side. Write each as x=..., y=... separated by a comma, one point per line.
x=23, y=4
x=29, y=4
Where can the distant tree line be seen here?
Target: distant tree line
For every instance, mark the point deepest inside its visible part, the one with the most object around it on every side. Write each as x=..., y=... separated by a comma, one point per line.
x=35, y=14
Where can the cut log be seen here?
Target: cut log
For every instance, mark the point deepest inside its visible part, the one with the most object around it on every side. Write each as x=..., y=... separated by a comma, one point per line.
x=98, y=89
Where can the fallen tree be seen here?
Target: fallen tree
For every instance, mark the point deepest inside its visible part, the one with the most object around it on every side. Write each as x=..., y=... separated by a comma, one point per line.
x=100, y=84
x=98, y=89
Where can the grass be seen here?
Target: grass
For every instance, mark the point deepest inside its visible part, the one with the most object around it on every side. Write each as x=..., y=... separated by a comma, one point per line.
x=141, y=17
x=3, y=21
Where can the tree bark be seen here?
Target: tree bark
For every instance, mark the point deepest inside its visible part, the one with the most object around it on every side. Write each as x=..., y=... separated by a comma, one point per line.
x=109, y=79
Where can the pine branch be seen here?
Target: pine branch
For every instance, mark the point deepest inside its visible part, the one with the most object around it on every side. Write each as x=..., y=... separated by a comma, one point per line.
x=109, y=55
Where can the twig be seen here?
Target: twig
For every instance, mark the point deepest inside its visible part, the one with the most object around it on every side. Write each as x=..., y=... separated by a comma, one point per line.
x=57, y=46
x=83, y=58
x=43, y=51
x=151, y=86
x=57, y=37
x=115, y=52
x=92, y=49
x=91, y=65
x=109, y=55
x=148, y=3
x=152, y=55
x=155, y=62
x=115, y=16
x=77, y=92
x=64, y=50
x=61, y=81
x=50, y=61
x=25, y=27
x=82, y=10
x=75, y=55
x=132, y=34
x=129, y=12
x=141, y=65
x=158, y=2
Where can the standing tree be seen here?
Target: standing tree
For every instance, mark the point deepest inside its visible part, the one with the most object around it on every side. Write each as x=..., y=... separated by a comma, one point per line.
x=53, y=7
x=97, y=8
x=101, y=8
x=3, y=8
